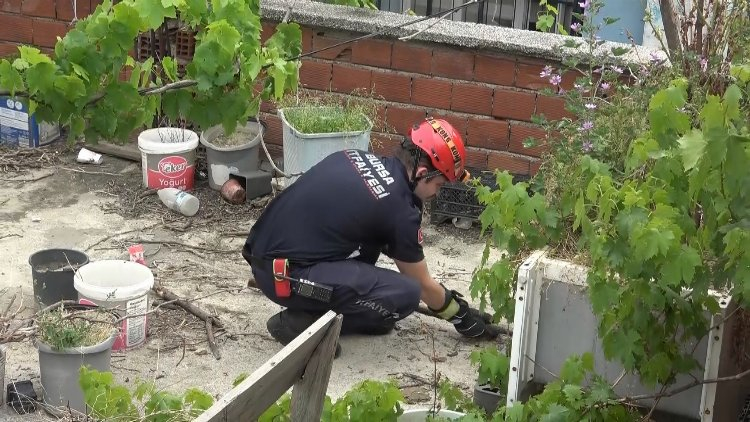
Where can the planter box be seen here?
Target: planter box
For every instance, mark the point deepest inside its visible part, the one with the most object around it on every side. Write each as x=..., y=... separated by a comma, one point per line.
x=553, y=320
x=304, y=150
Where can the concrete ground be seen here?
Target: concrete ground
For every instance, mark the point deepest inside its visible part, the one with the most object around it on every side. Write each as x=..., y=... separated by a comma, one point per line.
x=102, y=209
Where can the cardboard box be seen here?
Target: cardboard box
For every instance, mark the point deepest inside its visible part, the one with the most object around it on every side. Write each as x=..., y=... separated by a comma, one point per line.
x=19, y=129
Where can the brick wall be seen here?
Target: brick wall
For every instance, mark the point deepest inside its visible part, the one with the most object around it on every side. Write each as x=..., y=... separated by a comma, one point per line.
x=37, y=22
x=488, y=96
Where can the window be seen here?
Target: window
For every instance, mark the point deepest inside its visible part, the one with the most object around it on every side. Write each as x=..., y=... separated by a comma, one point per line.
x=519, y=14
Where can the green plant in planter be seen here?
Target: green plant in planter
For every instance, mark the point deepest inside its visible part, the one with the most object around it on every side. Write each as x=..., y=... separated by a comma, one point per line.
x=312, y=113
x=62, y=328
x=80, y=86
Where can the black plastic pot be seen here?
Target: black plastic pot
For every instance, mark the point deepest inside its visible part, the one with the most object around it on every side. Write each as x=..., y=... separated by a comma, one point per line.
x=52, y=273
x=487, y=397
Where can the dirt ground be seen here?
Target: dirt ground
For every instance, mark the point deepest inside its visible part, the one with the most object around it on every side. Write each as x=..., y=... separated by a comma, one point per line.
x=103, y=209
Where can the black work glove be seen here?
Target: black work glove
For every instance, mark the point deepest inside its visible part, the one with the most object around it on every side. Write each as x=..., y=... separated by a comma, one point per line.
x=467, y=321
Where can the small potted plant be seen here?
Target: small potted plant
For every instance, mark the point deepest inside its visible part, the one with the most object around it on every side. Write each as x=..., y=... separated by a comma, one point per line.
x=235, y=152
x=315, y=126
x=69, y=336
x=492, y=379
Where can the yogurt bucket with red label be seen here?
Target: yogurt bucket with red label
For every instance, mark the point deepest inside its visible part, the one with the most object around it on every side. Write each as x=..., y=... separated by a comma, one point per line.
x=168, y=157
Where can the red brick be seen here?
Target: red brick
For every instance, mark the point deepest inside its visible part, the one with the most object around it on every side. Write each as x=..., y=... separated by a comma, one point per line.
x=379, y=124
x=12, y=6
x=40, y=8
x=527, y=76
x=384, y=144
x=517, y=105
x=274, y=133
x=453, y=64
x=506, y=161
x=8, y=49
x=433, y=93
x=535, y=167
x=266, y=30
x=489, y=133
x=401, y=118
x=494, y=70
x=410, y=58
x=391, y=86
x=469, y=98
x=519, y=133
x=569, y=80
x=553, y=108
x=347, y=79
x=46, y=32
x=476, y=158
x=307, y=39
x=341, y=53
x=372, y=53
x=268, y=107
x=65, y=10
x=315, y=75
x=15, y=28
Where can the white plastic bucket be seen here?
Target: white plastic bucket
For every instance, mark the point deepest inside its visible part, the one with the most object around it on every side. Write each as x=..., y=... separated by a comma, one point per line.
x=122, y=286
x=168, y=157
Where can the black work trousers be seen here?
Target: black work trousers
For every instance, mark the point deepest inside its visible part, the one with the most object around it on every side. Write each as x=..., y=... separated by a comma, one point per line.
x=370, y=298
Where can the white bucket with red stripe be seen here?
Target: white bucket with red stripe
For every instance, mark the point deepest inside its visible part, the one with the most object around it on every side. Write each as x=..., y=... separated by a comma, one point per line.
x=168, y=157
x=122, y=286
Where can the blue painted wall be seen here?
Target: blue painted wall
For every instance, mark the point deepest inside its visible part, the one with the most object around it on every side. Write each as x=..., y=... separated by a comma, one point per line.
x=630, y=12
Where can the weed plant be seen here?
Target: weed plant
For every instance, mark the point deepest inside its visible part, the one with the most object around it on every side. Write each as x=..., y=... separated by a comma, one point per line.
x=63, y=328
x=314, y=112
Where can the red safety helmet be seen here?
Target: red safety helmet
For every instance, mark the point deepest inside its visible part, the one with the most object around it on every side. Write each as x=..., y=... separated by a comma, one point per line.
x=442, y=143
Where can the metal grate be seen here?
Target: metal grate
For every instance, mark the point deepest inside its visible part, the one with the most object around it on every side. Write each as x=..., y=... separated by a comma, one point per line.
x=459, y=200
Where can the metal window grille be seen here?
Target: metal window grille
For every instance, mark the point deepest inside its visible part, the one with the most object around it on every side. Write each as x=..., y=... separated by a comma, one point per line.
x=520, y=14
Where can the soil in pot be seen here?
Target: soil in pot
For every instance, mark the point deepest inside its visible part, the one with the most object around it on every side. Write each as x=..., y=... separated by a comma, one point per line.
x=234, y=140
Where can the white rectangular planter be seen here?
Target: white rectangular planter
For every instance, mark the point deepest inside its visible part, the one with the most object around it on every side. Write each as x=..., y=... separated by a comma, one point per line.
x=302, y=150
x=553, y=320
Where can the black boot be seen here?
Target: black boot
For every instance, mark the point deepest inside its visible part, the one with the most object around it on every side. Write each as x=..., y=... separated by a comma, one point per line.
x=286, y=325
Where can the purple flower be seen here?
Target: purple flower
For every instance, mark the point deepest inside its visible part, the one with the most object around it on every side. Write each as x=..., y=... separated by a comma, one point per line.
x=555, y=79
x=704, y=64
x=561, y=91
x=576, y=27
x=617, y=69
x=587, y=125
x=605, y=86
x=546, y=72
x=590, y=106
x=587, y=146
x=585, y=4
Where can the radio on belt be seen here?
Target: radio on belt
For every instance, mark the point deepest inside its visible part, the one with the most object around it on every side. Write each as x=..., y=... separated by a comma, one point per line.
x=313, y=290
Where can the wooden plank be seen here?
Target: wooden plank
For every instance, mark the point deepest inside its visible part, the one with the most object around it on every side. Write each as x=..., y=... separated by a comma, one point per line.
x=126, y=151
x=259, y=391
x=309, y=393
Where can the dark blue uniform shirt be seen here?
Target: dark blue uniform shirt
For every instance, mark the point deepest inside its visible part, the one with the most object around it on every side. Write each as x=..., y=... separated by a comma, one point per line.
x=350, y=202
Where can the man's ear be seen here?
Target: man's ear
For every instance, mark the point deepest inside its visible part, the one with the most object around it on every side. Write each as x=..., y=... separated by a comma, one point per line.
x=421, y=172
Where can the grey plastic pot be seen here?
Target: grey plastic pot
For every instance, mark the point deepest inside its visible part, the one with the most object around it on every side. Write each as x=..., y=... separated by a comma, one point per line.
x=225, y=161
x=487, y=397
x=59, y=371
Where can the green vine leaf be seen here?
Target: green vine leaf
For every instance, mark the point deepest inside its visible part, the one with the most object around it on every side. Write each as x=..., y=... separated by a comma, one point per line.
x=153, y=13
x=692, y=146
